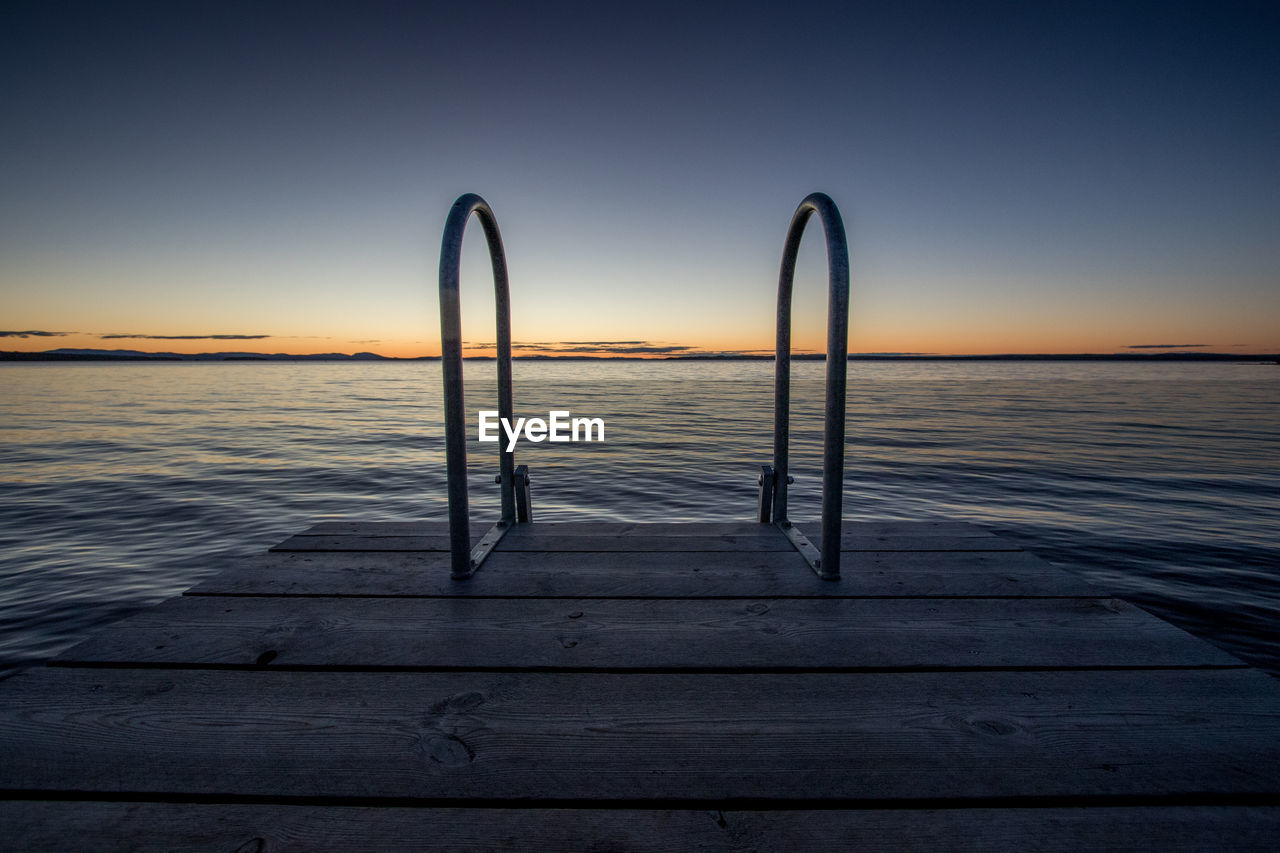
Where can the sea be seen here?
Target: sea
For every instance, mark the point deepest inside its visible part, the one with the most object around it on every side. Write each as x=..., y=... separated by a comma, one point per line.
x=123, y=484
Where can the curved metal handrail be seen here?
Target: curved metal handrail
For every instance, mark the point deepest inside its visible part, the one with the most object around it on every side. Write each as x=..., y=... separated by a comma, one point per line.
x=464, y=561
x=827, y=563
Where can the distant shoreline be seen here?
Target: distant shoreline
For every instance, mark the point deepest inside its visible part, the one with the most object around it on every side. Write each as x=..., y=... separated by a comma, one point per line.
x=133, y=356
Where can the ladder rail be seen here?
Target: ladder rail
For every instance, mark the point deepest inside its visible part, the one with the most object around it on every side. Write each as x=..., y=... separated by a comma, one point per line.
x=463, y=560
x=825, y=563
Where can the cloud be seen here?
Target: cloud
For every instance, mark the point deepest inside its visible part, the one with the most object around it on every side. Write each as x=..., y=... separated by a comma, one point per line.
x=618, y=348
x=581, y=347
x=728, y=353
x=184, y=337
x=1167, y=346
x=604, y=343
x=622, y=348
x=34, y=334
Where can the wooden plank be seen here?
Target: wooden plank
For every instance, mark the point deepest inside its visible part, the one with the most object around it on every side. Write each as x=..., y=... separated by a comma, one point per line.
x=533, y=538
x=519, y=539
x=638, y=634
x=904, y=538
x=179, y=827
x=662, y=528
x=366, y=543
x=647, y=574
x=838, y=738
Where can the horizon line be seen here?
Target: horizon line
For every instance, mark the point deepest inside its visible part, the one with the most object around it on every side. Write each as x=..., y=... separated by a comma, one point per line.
x=136, y=355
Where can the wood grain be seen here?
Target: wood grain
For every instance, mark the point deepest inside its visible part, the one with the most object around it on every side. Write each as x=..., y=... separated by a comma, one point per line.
x=647, y=574
x=533, y=538
x=639, y=634
x=846, y=739
x=192, y=828
x=642, y=686
x=629, y=528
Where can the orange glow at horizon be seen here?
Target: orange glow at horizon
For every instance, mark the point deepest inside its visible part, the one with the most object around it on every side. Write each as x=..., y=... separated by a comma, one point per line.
x=974, y=340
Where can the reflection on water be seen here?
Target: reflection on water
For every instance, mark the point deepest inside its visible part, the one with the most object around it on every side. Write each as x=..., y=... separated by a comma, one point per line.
x=123, y=484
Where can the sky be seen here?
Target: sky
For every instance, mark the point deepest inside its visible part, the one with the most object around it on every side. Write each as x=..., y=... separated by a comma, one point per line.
x=274, y=177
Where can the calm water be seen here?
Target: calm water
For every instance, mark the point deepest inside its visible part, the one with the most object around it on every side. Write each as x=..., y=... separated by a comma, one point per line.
x=121, y=484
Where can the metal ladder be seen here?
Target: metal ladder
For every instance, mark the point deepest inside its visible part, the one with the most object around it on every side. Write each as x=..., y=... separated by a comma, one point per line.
x=514, y=480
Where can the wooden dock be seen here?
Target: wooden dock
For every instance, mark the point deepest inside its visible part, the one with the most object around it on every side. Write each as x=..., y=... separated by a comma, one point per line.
x=603, y=686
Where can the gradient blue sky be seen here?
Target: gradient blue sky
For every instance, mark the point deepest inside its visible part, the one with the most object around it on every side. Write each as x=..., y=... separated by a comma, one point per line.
x=1016, y=177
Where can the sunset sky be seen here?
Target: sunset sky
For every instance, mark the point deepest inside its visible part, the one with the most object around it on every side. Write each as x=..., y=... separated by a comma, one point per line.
x=273, y=177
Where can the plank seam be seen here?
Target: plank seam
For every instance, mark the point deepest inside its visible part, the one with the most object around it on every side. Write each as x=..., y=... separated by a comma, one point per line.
x=637, y=670
x=1048, y=801
x=690, y=598
x=553, y=550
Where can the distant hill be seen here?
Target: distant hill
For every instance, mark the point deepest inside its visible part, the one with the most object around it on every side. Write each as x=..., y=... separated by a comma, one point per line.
x=68, y=354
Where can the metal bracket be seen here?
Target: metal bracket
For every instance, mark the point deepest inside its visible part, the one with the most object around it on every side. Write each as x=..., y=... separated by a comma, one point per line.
x=524, y=499
x=807, y=550
x=524, y=513
x=485, y=545
x=765, y=502
x=768, y=481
